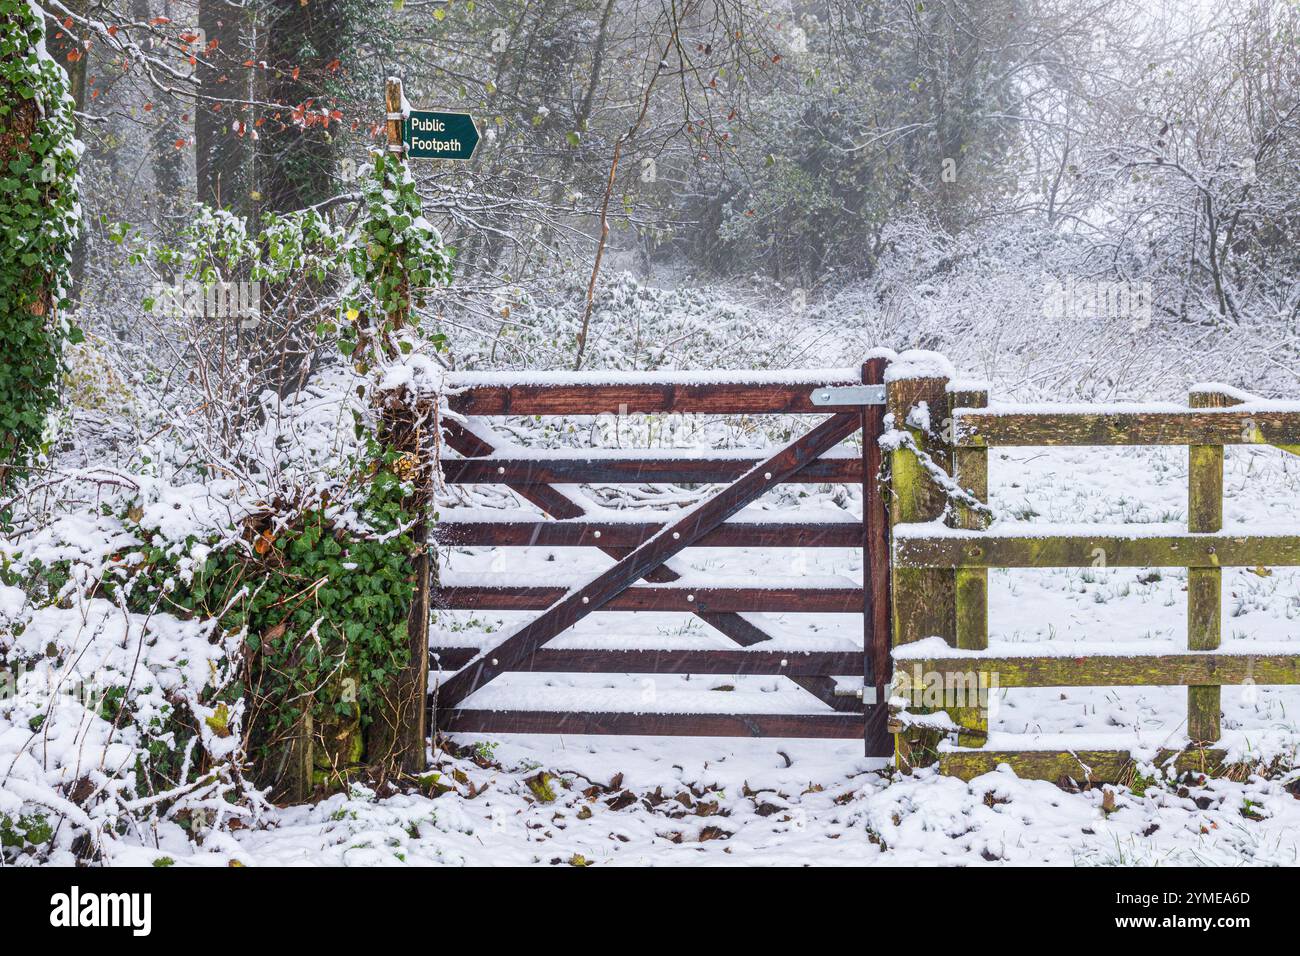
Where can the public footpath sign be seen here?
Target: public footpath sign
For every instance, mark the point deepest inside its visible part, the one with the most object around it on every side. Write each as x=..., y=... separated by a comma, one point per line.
x=430, y=135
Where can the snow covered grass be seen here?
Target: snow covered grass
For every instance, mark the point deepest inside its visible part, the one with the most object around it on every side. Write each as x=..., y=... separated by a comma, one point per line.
x=639, y=801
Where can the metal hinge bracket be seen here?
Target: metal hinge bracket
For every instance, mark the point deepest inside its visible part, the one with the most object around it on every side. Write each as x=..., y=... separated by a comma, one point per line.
x=849, y=395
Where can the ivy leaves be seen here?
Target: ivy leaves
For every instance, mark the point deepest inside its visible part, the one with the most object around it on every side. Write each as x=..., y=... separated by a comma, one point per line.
x=39, y=222
x=397, y=255
x=314, y=599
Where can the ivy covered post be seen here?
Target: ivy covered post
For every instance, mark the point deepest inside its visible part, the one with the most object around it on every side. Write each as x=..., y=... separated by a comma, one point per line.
x=39, y=221
x=408, y=426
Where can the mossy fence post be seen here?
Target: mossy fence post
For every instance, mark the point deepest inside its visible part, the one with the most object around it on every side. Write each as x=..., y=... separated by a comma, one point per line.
x=971, y=585
x=1204, y=585
x=924, y=599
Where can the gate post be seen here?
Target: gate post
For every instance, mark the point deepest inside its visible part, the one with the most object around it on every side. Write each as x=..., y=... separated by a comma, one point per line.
x=396, y=741
x=875, y=572
x=924, y=599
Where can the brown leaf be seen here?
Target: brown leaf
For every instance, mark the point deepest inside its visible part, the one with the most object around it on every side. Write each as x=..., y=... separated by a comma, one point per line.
x=624, y=799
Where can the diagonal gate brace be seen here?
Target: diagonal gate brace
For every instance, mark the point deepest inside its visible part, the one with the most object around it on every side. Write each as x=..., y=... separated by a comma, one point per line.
x=676, y=537
x=558, y=504
x=730, y=624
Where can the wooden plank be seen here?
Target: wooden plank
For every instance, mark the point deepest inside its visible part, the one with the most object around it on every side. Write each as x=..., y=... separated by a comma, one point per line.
x=1237, y=397
x=631, y=399
x=1204, y=585
x=663, y=598
x=876, y=631
x=463, y=440
x=991, y=550
x=683, y=533
x=602, y=660
x=1226, y=426
x=626, y=534
x=824, y=726
x=1081, y=766
x=558, y=504
x=579, y=471
x=735, y=626
x=1105, y=670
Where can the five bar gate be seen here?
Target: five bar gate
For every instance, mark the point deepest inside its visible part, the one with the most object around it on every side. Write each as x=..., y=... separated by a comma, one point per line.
x=640, y=580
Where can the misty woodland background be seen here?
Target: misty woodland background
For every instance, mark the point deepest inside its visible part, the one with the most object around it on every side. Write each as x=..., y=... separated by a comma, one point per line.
x=845, y=174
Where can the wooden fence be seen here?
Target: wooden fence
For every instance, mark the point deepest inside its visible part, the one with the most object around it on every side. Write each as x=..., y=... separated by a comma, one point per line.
x=639, y=579
x=928, y=547
x=940, y=567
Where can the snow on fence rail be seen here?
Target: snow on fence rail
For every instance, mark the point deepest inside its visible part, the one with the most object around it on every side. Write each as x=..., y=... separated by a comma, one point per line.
x=942, y=549
x=597, y=393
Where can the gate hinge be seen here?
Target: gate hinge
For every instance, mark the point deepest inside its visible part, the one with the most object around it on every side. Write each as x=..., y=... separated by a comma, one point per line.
x=849, y=395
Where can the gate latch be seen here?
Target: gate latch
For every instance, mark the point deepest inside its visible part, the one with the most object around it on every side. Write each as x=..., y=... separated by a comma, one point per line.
x=849, y=395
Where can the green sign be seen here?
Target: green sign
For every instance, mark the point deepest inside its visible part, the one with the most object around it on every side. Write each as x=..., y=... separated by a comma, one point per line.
x=430, y=135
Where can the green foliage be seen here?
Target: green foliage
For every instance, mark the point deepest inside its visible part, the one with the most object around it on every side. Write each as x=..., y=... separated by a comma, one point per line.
x=321, y=604
x=398, y=256
x=26, y=831
x=217, y=246
x=38, y=225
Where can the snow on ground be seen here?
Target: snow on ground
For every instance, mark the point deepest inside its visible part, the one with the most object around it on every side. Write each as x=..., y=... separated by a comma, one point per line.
x=642, y=801
x=581, y=800
x=722, y=801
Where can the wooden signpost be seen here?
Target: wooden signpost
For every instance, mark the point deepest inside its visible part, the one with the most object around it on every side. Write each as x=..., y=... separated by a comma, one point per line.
x=399, y=736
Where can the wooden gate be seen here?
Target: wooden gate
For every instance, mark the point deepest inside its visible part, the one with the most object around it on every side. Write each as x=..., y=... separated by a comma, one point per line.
x=639, y=579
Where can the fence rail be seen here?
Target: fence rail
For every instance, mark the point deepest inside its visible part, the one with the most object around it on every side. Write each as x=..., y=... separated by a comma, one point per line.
x=572, y=533
x=941, y=566
x=1256, y=424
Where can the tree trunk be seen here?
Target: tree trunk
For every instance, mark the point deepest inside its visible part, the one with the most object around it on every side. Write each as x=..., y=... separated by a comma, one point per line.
x=222, y=154
x=69, y=52
x=296, y=154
